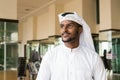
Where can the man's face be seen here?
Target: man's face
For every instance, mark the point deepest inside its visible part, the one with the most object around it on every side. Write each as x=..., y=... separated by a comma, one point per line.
x=69, y=31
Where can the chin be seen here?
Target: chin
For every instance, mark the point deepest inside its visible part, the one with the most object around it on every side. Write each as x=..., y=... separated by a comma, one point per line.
x=64, y=40
x=68, y=40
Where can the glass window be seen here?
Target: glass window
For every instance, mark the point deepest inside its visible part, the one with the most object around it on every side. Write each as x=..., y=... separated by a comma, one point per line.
x=1, y=26
x=11, y=27
x=11, y=56
x=1, y=56
x=8, y=44
x=116, y=51
x=110, y=40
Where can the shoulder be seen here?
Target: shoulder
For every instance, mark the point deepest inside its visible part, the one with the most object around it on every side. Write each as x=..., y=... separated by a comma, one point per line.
x=55, y=49
x=90, y=54
x=86, y=50
x=92, y=57
x=53, y=52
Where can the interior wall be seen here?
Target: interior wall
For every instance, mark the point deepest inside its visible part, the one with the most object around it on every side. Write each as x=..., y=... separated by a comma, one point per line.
x=115, y=10
x=20, y=31
x=74, y=5
x=105, y=14
x=59, y=8
x=89, y=14
x=86, y=9
x=8, y=9
x=43, y=25
x=35, y=27
x=28, y=30
x=51, y=19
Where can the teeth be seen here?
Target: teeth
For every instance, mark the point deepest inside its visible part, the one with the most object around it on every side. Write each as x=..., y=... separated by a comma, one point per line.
x=65, y=34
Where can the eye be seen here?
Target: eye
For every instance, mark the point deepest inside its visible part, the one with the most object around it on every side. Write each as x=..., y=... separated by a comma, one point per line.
x=69, y=26
x=61, y=25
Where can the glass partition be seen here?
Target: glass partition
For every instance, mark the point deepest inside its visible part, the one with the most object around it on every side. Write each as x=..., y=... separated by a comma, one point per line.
x=45, y=47
x=96, y=42
x=8, y=44
x=110, y=41
x=30, y=47
x=48, y=44
x=42, y=46
x=105, y=41
x=116, y=51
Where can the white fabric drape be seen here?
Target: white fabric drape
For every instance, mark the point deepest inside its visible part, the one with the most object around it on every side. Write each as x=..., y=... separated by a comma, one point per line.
x=85, y=36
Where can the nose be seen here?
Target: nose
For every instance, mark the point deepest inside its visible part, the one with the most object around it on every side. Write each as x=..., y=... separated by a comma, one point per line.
x=64, y=28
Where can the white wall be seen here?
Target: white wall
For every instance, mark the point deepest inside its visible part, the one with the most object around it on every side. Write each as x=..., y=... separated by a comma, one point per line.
x=8, y=9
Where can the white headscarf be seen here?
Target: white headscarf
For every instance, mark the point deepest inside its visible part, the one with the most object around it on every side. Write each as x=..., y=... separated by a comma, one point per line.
x=85, y=36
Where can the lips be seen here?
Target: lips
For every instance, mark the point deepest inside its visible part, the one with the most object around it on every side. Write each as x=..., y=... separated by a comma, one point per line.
x=65, y=34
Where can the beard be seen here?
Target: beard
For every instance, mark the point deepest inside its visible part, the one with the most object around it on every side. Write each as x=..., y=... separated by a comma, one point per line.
x=70, y=39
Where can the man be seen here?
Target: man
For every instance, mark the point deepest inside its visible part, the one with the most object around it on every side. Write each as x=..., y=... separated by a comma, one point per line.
x=75, y=58
x=34, y=56
x=105, y=59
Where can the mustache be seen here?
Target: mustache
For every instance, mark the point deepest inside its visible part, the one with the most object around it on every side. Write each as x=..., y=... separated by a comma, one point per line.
x=65, y=33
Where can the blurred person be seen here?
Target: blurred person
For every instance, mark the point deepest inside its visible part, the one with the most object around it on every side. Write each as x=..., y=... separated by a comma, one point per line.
x=75, y=58
x=105, y=59
x=109, y=61
x=34, y=64
x=34, y=56
x=109, y=69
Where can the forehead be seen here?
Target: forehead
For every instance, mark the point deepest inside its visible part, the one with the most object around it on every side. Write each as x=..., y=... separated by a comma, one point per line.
x=68, y=22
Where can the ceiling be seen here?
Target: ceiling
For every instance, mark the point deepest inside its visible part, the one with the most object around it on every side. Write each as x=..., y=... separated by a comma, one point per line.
x=28, y=7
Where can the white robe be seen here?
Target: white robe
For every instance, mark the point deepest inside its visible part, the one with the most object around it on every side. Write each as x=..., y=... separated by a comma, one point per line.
x=63, y=63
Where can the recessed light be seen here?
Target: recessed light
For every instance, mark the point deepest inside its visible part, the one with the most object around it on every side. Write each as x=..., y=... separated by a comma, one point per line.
x=27, y=9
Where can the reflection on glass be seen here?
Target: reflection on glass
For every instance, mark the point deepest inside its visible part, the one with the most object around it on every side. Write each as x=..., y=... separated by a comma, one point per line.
x=11, y=27
x=1, y=26
x=31, y=46
x=110, y=40
x=96, y=42
x=11, y=56
x=8, y=45
x=116, y=51
x=44, y=48
x=1, y=57
x=46, y=45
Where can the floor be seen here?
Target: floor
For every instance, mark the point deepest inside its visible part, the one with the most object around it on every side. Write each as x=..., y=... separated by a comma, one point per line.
x=8, y=75
x=12, y=75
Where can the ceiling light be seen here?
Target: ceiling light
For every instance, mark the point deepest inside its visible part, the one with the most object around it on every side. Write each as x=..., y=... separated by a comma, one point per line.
x=27, y=9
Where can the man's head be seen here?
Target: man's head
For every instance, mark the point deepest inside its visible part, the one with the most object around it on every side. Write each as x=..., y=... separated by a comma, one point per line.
x=70, y=31
x=69, y=22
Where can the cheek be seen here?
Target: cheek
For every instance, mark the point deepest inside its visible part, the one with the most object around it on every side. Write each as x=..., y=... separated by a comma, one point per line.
x=76, y=32
x=71, y=30
x=61, y=30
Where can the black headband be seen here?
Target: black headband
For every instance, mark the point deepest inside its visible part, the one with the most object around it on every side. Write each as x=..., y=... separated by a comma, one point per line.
x=66, y=13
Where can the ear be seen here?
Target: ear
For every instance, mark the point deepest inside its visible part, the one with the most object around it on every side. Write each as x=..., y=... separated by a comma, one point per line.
x=80, y=29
